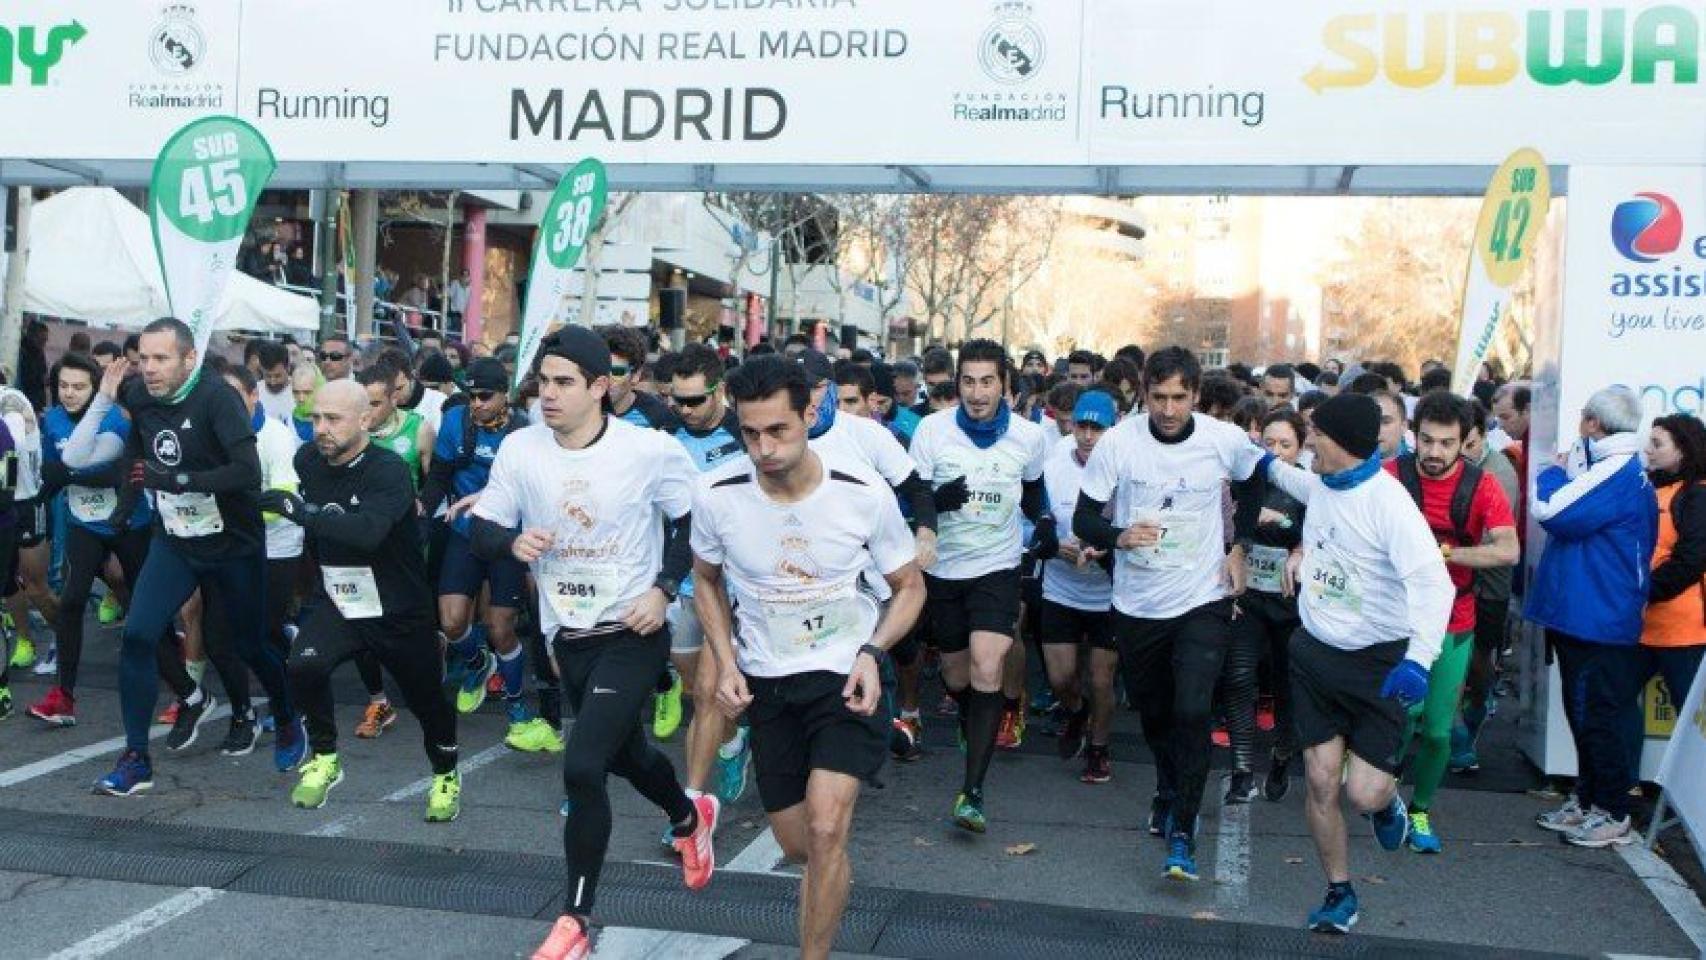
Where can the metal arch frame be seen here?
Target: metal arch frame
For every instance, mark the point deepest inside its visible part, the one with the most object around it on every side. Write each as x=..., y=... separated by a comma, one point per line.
x=1104, y=180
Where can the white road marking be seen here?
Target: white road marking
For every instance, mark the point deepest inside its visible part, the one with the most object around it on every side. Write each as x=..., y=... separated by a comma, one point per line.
x=1232, y=857
x=103, y=942
x=633, y=943
x=760, y=856
x=93, y=751
x=119, y=934
x=1669, y=889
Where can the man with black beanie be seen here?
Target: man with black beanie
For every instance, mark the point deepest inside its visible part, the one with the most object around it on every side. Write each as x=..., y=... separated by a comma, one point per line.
x=1374, y=597
x=578, y=498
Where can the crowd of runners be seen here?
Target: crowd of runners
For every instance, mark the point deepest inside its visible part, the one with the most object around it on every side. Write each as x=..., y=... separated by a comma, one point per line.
x=778, y=557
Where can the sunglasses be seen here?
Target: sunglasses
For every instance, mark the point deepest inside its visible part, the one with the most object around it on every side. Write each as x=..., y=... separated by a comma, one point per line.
x=482, y=395
x=692, y=402
x=332, y=355
x=620, y=369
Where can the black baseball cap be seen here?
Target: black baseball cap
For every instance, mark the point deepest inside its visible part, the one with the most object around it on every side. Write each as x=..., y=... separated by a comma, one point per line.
x=488, y=373
x=818, y=367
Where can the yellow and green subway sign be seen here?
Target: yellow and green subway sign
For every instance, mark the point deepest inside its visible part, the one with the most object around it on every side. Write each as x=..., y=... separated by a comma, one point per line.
x=1552, y=47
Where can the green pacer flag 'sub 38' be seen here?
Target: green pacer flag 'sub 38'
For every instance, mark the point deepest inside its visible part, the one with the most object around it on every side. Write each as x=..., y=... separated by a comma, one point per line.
x=575, y=208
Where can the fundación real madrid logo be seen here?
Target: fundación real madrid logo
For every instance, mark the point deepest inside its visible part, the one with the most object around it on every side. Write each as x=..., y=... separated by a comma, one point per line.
x=1011, y=50
x=176, y=43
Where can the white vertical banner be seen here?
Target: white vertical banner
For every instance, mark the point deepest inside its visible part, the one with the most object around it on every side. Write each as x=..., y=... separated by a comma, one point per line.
x=569, y=219
x=1683, y=773
x=1633, y=314
x=1512, y=213
x=206, y=182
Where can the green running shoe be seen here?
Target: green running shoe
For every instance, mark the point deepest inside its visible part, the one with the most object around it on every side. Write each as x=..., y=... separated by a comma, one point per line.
x=968, y=812
x=319, y=776
x=110, y=611
x=5, y=702
x=533, y=736
x=24, y=654
x=444, y=800
x=666, y=709
x=472, y=694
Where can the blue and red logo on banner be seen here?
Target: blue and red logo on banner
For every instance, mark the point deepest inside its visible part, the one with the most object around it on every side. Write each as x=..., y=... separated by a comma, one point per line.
x=1647, y=227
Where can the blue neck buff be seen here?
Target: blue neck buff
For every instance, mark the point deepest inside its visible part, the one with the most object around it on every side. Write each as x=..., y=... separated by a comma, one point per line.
x=825, y=413
x=984, y=433
x=1353, y=477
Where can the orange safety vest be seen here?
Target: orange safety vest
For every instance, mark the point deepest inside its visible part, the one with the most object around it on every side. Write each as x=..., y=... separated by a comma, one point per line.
x=1681, y=620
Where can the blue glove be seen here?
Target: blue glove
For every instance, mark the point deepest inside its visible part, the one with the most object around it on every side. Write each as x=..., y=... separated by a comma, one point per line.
x=1407, y=683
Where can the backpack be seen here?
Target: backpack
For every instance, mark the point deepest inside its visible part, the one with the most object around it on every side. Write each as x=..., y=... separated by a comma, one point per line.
x=1462, y=499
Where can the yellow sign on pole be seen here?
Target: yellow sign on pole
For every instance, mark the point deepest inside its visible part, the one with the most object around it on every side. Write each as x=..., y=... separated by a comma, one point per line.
x=1512, y=213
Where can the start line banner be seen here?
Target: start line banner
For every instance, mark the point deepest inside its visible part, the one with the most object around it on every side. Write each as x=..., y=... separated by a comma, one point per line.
x=864, y=82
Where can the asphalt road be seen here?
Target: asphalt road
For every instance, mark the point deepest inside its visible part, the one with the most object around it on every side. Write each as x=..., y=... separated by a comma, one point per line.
x=214, y=862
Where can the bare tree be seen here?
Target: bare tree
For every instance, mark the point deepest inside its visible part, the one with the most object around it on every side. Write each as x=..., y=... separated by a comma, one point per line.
x=1083, y=297
x=967, y=256
x=867, y=241
x=784, y=217
x=1396, y=288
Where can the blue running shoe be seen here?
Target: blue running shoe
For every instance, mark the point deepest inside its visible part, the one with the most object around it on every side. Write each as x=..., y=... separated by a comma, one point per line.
x=732, y=771
x=1422, y=836
x=132, y=775
x=1463, y=757
x=290, y=746
x=1336, y=914
x=1181, y=857
x=1392, y=825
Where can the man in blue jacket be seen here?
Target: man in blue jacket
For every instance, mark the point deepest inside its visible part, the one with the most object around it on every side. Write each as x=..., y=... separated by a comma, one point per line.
x=1601, y=519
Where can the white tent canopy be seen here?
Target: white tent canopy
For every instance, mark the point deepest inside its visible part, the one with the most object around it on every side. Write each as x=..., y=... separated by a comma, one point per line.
x=92, y=259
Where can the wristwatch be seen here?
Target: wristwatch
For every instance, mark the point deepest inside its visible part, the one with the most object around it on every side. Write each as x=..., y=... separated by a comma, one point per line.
x=1445, y=550
x=670, y=590
x=877, y=653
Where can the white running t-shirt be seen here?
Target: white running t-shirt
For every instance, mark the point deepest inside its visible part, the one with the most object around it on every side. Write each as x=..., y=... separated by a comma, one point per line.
x=792, y=569
x=864, y=441
x=983, y=536
x=1372, y=571
x=1178, y=485
x=605, y=505
x=276, y=446
x=1088, y=587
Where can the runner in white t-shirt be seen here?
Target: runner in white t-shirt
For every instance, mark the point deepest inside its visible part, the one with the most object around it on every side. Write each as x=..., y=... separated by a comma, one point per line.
x=986, y=467
x=275, y=444
x=780, y=544
x=583, y=499
x=1375, y=598
x=1077, y=594
x=838, y=433
x=1164, y=473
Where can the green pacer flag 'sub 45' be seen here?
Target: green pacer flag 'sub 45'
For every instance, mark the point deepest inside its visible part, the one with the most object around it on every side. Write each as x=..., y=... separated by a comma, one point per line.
x=206, y=182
